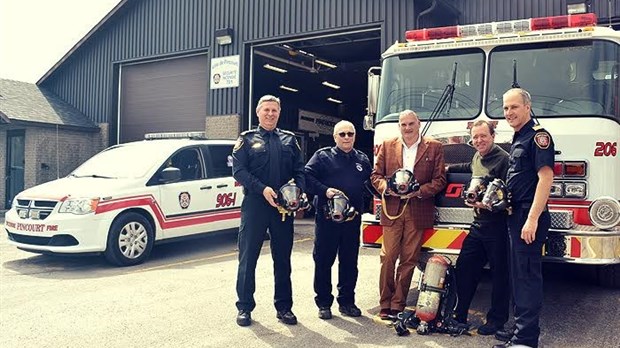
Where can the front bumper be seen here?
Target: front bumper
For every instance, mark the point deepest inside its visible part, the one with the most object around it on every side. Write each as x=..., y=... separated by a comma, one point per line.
x=58, y=233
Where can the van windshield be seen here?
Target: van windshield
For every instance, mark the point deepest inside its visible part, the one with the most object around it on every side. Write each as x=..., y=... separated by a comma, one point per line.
x=416, y=81
x=574, y=78
x=121, y=161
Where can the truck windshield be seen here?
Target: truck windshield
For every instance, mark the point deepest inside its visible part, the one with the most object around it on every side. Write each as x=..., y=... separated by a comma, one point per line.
x=574, y=78
x=416, y=81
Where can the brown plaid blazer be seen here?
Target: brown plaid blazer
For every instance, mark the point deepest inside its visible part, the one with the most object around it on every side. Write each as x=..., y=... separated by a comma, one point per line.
x=429, y=170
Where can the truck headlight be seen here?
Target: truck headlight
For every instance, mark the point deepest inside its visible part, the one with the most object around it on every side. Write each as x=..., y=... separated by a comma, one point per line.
x=79, y=206
x=605, y=212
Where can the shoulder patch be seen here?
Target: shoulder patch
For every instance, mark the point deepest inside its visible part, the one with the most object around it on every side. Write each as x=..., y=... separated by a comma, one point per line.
x=542, y=140
x=238, y=144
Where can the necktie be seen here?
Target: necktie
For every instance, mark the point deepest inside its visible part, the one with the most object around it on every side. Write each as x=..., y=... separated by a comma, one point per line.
x=274, y=160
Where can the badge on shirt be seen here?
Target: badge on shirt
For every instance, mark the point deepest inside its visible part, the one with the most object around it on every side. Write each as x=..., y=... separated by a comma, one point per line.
x=359, y=167
x=542, y=140
x=238, y=144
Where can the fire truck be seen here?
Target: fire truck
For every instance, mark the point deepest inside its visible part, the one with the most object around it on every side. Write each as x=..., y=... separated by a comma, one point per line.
x=453, y=76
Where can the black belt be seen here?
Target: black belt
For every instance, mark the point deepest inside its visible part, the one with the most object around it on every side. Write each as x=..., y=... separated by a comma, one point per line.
x=525, y=205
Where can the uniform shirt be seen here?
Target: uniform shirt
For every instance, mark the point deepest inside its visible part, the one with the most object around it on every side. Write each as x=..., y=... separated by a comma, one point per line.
x=347, y=172
x=252, y=155
x=490, y=166
x=532, y=148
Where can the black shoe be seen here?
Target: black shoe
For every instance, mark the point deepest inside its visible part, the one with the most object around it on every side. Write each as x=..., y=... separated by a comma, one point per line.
x=350, y=310
x=325, y=313
x=244, y=318
x=489, y=329
x=505, y=335
x=287, y=317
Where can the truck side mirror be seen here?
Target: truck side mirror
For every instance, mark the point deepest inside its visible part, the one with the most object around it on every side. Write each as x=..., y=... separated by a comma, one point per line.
x=374, y=79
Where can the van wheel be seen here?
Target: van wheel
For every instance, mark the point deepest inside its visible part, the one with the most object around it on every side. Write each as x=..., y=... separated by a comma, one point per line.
x=130, y=240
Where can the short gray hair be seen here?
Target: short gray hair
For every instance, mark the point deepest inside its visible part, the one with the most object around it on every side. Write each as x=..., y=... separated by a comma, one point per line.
x=268, y=98
x=525, y=95
x=406, y=113
x=343, y=123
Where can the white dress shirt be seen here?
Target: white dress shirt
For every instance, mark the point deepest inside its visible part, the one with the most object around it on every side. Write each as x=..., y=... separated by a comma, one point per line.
x=409, y=153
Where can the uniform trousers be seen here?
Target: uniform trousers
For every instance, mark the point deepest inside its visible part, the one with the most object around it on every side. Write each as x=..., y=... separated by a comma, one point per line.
x=331, y=240
x=401, y=242
x=256, y=217
x=526, y=273
x=487, y=241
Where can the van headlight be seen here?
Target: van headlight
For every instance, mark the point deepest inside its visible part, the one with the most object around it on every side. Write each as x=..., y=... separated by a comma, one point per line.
x=605, y=212
x=79, y=206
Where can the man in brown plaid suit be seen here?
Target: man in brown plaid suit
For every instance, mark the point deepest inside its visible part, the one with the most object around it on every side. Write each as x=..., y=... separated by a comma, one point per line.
x=402, y=235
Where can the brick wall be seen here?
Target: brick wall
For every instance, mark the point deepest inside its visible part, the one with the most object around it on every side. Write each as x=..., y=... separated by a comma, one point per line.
x=50, y=154
x=222, y=127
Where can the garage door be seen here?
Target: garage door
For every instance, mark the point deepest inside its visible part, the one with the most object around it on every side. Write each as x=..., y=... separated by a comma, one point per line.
x=163, y=96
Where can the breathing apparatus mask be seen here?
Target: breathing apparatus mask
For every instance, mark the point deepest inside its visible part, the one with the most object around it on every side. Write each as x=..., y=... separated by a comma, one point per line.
x=291, y=198
x=496, y=197
x=475, y=190
x=402, y=182
x=339, y=208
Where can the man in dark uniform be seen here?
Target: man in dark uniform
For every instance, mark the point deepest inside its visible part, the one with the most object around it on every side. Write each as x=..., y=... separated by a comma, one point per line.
x=487, y=240
x=336, y=170
x=530, y=176
x=264, y=159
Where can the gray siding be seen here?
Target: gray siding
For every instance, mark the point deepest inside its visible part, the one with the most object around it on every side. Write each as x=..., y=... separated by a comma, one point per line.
x=479, y=11
x=143, y=29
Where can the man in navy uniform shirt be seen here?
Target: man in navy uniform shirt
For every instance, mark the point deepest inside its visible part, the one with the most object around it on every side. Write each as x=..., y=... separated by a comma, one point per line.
x=529, y=179
x=330, y=171
x=264, y=159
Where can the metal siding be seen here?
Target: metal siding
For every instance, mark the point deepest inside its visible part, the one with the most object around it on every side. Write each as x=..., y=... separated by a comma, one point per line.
x=147, y=29
x=480, y=11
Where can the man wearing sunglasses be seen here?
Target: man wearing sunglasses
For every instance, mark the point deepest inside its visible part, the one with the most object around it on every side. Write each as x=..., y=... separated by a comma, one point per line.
x=264, y=159
x=410, y=215
x=336, y=170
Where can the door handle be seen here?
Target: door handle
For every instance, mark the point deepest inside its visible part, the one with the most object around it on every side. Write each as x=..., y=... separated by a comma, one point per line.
x=221, y=185
x=206, y=187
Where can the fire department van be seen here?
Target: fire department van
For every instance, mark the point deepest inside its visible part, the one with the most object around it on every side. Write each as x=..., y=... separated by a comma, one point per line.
x=453, y=76
x=130, y=196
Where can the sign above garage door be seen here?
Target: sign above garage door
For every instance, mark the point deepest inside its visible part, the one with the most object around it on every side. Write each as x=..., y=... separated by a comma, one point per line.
x=225, y=72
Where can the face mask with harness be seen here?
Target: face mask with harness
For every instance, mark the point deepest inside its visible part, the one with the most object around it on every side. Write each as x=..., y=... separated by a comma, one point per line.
x=401, y=183
x=339, y=209
x=291, y=199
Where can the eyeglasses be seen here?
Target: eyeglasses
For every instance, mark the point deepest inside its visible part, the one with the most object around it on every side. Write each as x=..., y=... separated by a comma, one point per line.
x=349, y=134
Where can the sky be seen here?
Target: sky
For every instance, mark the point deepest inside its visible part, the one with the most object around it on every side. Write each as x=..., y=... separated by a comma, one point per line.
x=36, y=34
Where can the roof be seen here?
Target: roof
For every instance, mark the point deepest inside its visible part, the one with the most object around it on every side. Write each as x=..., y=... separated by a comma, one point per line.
x=27, y=102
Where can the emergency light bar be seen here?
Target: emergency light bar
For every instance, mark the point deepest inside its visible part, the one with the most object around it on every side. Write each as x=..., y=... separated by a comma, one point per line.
x=175, y=135
x=505, y=27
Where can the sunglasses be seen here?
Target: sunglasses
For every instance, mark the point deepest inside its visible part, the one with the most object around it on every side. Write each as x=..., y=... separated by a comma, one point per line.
x=349, y=134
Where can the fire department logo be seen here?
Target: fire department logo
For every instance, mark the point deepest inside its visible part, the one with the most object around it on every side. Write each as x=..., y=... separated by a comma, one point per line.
x=184, y=199
x=358, y=166
x=542, y=140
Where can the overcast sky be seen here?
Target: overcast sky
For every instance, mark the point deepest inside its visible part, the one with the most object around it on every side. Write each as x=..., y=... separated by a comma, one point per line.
x=35, y=34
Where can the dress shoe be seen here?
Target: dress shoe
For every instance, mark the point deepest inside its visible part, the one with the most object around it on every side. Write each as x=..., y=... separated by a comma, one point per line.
x=244, y=318
x=287, y=317
x=490, y=329
x=385, y=313
x=505, y=335
x=325, y=313
x=350, y=310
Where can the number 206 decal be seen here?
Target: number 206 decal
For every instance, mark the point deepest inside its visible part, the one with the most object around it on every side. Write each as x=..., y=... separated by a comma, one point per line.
x=226, y=199
x=605, y=149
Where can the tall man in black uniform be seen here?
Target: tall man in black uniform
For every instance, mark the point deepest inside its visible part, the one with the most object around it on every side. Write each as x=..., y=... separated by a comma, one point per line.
x=488, y=236
x=332, y=170
x=264, y=159
x=530, y=176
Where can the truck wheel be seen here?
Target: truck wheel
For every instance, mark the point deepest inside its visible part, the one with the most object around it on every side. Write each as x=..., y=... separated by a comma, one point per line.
x=608, y=276
x=130, y=240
